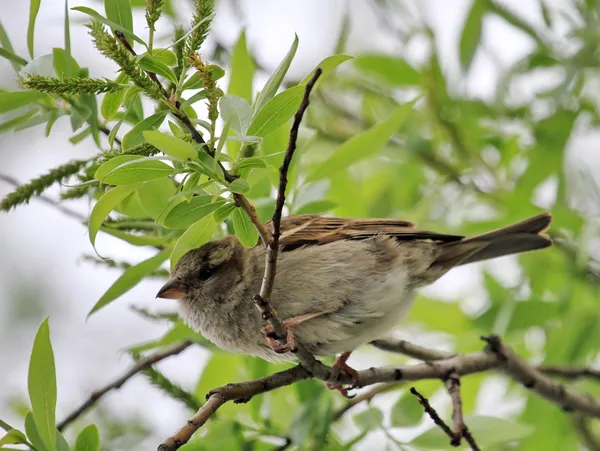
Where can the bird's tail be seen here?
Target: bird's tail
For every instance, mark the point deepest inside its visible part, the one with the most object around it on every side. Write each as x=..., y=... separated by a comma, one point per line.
x=523, y=236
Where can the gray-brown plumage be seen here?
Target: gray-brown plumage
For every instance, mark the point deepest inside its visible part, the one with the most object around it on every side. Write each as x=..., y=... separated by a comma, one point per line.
x=340, y=282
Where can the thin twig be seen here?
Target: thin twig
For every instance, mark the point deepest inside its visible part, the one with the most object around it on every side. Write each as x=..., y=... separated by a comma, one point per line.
x=433, y=414
x=48, y=200
x=460, y=429
x=263, y=299
x=139, y=366
x=569, y=373
x=366, y=396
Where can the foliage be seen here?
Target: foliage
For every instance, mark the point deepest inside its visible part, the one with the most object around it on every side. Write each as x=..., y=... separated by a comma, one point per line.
x=412, y=144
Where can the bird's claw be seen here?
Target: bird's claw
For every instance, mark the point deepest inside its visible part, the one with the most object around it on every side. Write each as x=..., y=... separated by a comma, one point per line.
x=276, y=346
x=342, y=365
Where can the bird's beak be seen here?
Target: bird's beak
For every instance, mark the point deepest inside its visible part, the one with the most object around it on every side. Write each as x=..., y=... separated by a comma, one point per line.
x=171, y=290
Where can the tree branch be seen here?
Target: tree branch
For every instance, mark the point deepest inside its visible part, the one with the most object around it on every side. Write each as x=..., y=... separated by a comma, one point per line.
x=140, y=366
x=434, y=416
x=496, y=356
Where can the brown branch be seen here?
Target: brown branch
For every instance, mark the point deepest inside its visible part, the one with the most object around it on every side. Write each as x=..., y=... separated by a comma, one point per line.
x=263, y=299
x=569, y=373
x=434, y=415
x=366, y=396
x=139, y=366
x=411, y=350
x=460, y=429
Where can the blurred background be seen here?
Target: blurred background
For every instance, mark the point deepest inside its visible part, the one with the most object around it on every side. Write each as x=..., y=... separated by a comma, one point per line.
x=508, y=128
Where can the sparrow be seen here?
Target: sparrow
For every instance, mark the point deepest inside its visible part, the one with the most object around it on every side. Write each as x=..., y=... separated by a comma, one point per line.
x=340, y=282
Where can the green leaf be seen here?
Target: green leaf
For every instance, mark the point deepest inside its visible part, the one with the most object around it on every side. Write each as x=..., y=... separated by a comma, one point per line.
x=32, y=432
x=391, y=70
x=13, y=437
x=165, y=56
x=327, y=66
x=200, y=95
x=138, y=171
x=130, y=278
x=61, y=443
x=136, y=240
x=244, y=229
x=489, y=431
x=17, y=99
x=34, y=7
x=112, y=101
x=157, y=67
x=252, y=162
x=273, y=83
x=406, y=412
x=113, y=163
x=239, y=186
x=88, y=439
x=105, y=205
x=119, y=11
x=195, y=236
x=223, y=212
x=16, y=60
x=171, y=145
x=41, y=383
x=115, y=26
x=363, y=145
x=241, y=70
x=69, y=67
x=17, y=121
x=471, y=33
x=7, y=51
x=369, y=419
x=64, y=64
x=237, y=112
x=135, y=137
x=316, y=206
x=155, y=196
x=186, y=213
x=276, y=112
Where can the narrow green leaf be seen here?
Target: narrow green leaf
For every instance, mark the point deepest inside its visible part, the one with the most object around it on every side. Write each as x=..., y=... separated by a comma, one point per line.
x=69, y=69
x=239, y=186
x=32, y=432
x=17, y=99
x=115, y=26
x=138, y=171
x=241, y=70
x=276, y=112
x=136, y=240
x=157, y=67
x=61, y=443
x=186, y=213
x=17, y=121
x=327, y=66
x=391, y=70
x=252, y=162
x=273, y=83
x=243, y=228
x=165, y=56
x=112, y=101
x=15, y=60
x=237, y=112
x=134, y=137
x=34, y=7
x=13, y=437
x=130, y=278
x=105, y=205
x=88, y=439
x=364, y=144
x=64, y=64
x=201, y=95
x=6, y=46
x=223, y=212
x=155, y=196
x=317, y=206
x=41, y=383
x=171, y=145
x=471, y=33
x=195, y=236
x=113, y=163
x=119, y=11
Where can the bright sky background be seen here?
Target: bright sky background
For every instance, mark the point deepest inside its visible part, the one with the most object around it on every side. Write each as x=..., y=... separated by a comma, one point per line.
x=40, y=270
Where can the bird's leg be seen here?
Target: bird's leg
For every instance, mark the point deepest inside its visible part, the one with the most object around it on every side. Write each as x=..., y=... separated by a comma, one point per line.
x=289, y=325
x=341, y=363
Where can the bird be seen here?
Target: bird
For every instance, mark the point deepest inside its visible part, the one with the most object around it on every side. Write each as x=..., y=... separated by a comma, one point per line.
x=340, y=282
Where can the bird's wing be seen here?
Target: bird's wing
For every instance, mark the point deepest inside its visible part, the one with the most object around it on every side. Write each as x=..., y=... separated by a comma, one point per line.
x=304, y=230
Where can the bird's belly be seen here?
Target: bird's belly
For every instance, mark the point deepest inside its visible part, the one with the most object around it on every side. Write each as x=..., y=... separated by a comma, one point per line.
x=373, y=313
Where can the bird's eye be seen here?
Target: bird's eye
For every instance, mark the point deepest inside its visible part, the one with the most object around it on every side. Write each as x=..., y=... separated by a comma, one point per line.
x=206, y=273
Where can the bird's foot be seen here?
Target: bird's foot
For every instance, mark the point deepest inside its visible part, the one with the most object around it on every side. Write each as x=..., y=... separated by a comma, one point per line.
x=276, y=346
x=341, y=363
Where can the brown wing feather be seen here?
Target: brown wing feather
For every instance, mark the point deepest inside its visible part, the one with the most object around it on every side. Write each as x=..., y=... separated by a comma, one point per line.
x=306, y=230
